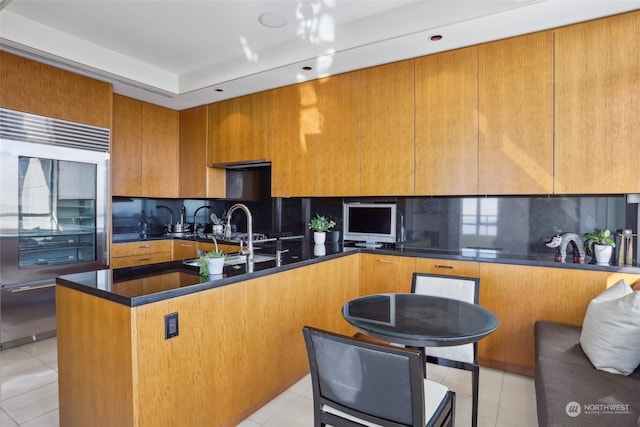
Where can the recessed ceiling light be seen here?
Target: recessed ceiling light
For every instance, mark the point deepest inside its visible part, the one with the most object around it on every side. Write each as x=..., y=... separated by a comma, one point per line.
x=273, y=19
x=307, y=68
x=219, y=90
x=435, y=38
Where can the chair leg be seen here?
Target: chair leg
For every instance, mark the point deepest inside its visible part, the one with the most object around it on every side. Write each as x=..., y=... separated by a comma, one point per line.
x=475, y=384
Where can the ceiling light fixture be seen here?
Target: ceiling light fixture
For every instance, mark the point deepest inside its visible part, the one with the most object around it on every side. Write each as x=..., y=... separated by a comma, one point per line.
x=272, y=19
x=307, y=68
x=435, y=38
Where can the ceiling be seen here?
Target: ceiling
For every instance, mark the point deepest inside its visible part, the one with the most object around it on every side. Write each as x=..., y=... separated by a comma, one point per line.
x=184, y=53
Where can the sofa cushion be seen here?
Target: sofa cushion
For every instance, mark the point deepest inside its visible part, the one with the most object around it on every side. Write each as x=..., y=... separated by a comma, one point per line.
x=611, y=330
x=564, y=375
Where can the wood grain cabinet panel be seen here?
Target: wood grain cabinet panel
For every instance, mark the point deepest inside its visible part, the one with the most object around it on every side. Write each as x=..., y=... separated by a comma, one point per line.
x=48, y=91
x=447, y=123
x=184, y=249
x=448, y=267
x=295, y=126
x=385, y=273
x=140, y=253
x=192, y=155
x=597, y=93
x=388, y=130
x=521, y=295
x=337, y=158
x=144, y=159
x=516, y=115
x=126, y=147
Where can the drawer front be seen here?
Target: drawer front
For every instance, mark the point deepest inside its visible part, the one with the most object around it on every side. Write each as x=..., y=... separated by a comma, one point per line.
x=141, y=259
x=228, y=249
x=183, y=249
x=448, y=267
x=140, y=248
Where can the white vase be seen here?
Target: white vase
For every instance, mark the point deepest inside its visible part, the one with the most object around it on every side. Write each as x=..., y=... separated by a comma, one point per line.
x=215, y=265
x=319, y=237
x=602, y=253
x=319, y=249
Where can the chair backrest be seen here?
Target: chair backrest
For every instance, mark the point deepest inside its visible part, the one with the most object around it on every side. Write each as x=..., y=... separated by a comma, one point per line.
x=377, y=383
x=465, y=289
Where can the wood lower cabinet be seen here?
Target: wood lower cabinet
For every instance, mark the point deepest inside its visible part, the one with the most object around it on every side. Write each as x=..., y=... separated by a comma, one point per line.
x=385, y=273
x=144, y=157
x=226, y=248
x=117, y=369
x=516, y=115
x=387, y=165
x=184, y=249
x=521, y=295
x=140, y=253
x=447, y=123
x=597, y=105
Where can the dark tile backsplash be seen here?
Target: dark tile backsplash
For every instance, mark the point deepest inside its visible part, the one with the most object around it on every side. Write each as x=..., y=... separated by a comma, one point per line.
x=512, y=226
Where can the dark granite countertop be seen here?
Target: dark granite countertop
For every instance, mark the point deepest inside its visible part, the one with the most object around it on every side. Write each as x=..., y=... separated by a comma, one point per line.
x=179, y=279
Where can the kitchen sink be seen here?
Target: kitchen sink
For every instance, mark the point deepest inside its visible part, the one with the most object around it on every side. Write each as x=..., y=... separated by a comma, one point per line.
x=241, y=259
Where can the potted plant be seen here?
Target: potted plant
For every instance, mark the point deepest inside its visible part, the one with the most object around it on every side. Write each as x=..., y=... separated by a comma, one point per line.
x=320, y=224
x=211, y=262
x=600, y=244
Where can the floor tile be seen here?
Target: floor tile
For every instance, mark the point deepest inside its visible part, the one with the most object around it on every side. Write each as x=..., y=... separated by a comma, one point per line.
x=519, y=384
x=299, y=413
x=51, y=419
x=32, y=404
x=24, y=381
x=6, y=421
x=517, y=410
x=264, y=414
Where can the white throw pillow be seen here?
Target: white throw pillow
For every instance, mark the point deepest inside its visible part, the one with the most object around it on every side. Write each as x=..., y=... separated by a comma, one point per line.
x=611, y=330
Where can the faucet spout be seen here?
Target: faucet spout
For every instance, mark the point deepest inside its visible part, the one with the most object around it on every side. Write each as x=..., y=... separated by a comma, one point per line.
x=246, y=210
x=195, y=227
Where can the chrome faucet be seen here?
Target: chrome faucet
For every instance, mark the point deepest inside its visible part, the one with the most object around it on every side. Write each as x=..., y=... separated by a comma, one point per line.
x=249, y=231
x=195, y=228
x=170, y=212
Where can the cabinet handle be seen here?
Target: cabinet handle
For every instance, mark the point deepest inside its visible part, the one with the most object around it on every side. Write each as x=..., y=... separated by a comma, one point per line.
x=182, y=245
x=143, y=246
x=445, y=266
x=144, y=259
x=386, y=261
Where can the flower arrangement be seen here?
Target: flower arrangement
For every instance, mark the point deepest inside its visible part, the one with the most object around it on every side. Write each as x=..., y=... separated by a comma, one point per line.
x=321, y=223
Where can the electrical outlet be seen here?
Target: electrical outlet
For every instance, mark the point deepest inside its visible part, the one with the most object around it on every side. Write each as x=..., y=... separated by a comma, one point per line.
x=170, y=325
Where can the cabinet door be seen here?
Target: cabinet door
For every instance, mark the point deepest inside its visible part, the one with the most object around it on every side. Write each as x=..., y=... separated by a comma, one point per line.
x=192, y=154
x=385, y=273
x=126, y=143
x=521, y=295
x=597, y=93
x=223, y=132
x=387, y=130
x=184, y=249
x=516, y=115
x=295, y=127
x=159, y=151
x=254, y=126
x=447, y=123
x=338, y=154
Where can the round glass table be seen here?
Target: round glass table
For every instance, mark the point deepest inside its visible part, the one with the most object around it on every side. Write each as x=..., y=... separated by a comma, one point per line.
x=419, y=320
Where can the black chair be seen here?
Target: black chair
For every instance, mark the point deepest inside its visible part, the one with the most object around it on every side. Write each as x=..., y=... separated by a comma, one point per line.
x=358, y=383
x=465, y=356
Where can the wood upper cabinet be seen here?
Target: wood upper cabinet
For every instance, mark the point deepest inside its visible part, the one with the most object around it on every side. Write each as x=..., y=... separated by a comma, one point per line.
x=337, y=157
x=241, y=128
x=144, y=156
x=597, y=93
x=447, y=123
x=385, y=273
x=192, y=154
x=516, y=115
x=126, y=147
x=41, y=89
x=387, y=166
x=295, y=126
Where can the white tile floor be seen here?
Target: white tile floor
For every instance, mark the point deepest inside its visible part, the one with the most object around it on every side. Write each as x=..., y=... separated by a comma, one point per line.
x=29, y=394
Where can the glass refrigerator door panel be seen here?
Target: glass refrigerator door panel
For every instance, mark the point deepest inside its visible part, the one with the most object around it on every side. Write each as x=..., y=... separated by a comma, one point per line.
x=56, y=211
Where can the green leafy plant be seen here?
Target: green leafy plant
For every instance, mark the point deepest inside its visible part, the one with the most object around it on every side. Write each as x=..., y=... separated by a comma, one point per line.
x=599, y=237
x=203, y=260
x=321, y=223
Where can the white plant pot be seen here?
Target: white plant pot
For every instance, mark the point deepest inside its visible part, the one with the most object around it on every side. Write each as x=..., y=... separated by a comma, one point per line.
x=319, y=249
x=215, y=265
x=319, y=237
x=602, y=253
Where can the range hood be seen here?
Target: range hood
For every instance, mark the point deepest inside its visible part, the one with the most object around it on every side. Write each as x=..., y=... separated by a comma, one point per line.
x=249, y=183
x=248, y=164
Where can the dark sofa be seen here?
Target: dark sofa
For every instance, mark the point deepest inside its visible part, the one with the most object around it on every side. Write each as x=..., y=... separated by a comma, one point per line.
x=571, y=392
